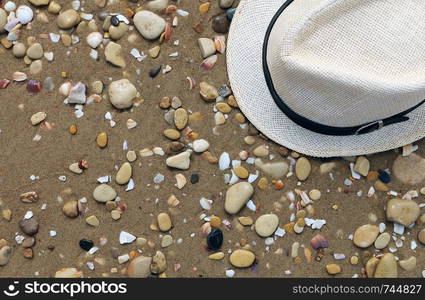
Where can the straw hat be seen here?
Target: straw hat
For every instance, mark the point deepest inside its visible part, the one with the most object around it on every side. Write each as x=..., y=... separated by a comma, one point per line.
x=331, y=77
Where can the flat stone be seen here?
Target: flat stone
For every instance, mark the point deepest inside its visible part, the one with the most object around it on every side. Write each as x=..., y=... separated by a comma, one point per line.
x=124, y=173
x=36, y=67
x=266, y=225
x=92, y=221
x=261, y=151
x=68, y=19
x=362, y=166
x=302, y=168
x=208, y=92
x=131, y=156
x=365, y=235
x=216, y=256
x=409, y=169
x=28, y=242
x=164, y=222
x=39, y=2
x=29, y=226
x=408, y=264
x=140, y=267
x=242, y=258
x=237, y=196
x=102, y=139
x=113, y=54
x=402, y=211
x=387, y=267
x=35, y=51
x=19, y=49
x=167, y=240
x=246, y=221
x=5, y=254
x=157, y=5
x=37, y=118
x=200, y=145
x=180, y=118
x=180, y=161
x=159, y=263
x=206, y=46
x=3, y=20
x=104, y=193
x=70, y=209
x=421, y=236
x=382, y=241
x=274, y=169
x=121, y=93
x=149, y=24
x=333, y=269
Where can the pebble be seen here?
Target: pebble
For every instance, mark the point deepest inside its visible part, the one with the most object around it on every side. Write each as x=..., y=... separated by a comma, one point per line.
x=157, y=5
x=104, y=193
x=102, y=139
x=167, y=240
x=382, y=241
x=164, y=222
x=68, y=273
x=77, y=93
x=333, y=269
x=410, y=169
x=220, y=24
x=242, y=258
x=215, y=239
x=24, y=14
x=36, y=67
x=302, y=168
x=28, y=242
x=121, y=93
x=314, y=194
x=37, y=118
x=408, y=264
x=19, y=49
x=3, y=20
x=159, y=263
x=266, y=225
x=402, y=211
x=68, y=19
x=140, y=267
x=35, y=51
x=172, y=134
x=117, y=32
x=5, y=254
x=39, y=2
x=149, y=24
x=362, y=166
x=226, y=3
x=154, y=71
x=154, y=52
x=92, y=221
x=216, y=256
x=29, y=226
x=131, y=156
x=421, y=236
x=237, y=196
x=70, y=209
x=241, y=172
x=180, y=118
x=113, y=54
x=94, y=39
x=208, y=92
x=86, y=244
x=387, y=267
x=365, y=235
x=180, y=161
x=200, y=145
x=275, y=169
x=261, y=151
x=207, y=47
x=124, y=173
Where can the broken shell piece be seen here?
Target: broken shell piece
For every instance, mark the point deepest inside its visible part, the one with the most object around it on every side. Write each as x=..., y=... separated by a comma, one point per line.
x=37, y=118
x=319, y=242
x=65, y=89
x=209, y=62
x=77, y=94
x=94, y=39
x=220, y=43
x=19, y=76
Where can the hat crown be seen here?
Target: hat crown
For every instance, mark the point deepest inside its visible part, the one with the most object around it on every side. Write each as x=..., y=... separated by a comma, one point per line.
x=349, y=62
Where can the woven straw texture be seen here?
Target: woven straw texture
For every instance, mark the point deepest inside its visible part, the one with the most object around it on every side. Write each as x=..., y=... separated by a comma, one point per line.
x=359, y=61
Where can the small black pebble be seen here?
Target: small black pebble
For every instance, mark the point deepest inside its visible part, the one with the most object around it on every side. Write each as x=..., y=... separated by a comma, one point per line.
x=115, y=21
x=86, y=244
x=194, y=178
x=154, y=71
x=215, y=239
x=384, y=176
x=220, y=24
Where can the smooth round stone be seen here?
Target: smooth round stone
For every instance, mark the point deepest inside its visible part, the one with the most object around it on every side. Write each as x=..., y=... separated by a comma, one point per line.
x=333, y=269
x=29, y=226
x=37, y=118
x=159, y=263
x=86, y=245
x=382, y=240
x=365, y=235
x=36, y=67
x=117, y=32
x=39, y=2
x=5, y=253
x=387, y=267
x=140, y=267
x=208, y=92
x=421, y=236
x=157, y=5
x=124, y=173
x=19, y=50
x=402, y=211
x=104, y=193
x=408, y=264
x=164, y=222
x=121, y=93
x=180, y=161
x=70, y=209
x=200, y=145
x=275, y=170
x=261, y=151
x=362, y=166
x=102, y=139
x=315, y=194
x=150, y=25
x=180, y=118
x=172, y=134
x=237, y=196
x=302, y=168
x=68, y=19
x=28, y=242
x=220, y=24
x=215, y=239
x=35, y=51
x=410, y=169
x=242, y=258
x=94, y=39
x=24, y=14
x=266, y=225
x=226, y=3
x=166, y=241
x=3, y=19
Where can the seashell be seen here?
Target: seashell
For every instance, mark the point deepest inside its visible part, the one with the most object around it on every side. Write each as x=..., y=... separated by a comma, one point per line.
x=19, y=76
x=205, y=203
x=131, y=124
x=94, y=39
x=14, y=35
x=65, y=88
x=175, y=21
x=220, y=43
x=77, y=94
x=173, y=201
x=11, y=23
x=209, y=62
x=24, y=14
x=4, y=83
x=34, y=86
x=167, y=33
x=9, y=6
x=319, y=242
x=192, y=83
x=170, y=9
x=206, y=228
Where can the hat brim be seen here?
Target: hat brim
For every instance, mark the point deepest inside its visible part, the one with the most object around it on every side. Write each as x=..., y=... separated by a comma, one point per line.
x=245, y=70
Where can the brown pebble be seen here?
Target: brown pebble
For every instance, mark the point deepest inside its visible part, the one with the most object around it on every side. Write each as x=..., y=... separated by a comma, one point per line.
x=73, y=129
x=28, y=253
x=102, y=139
